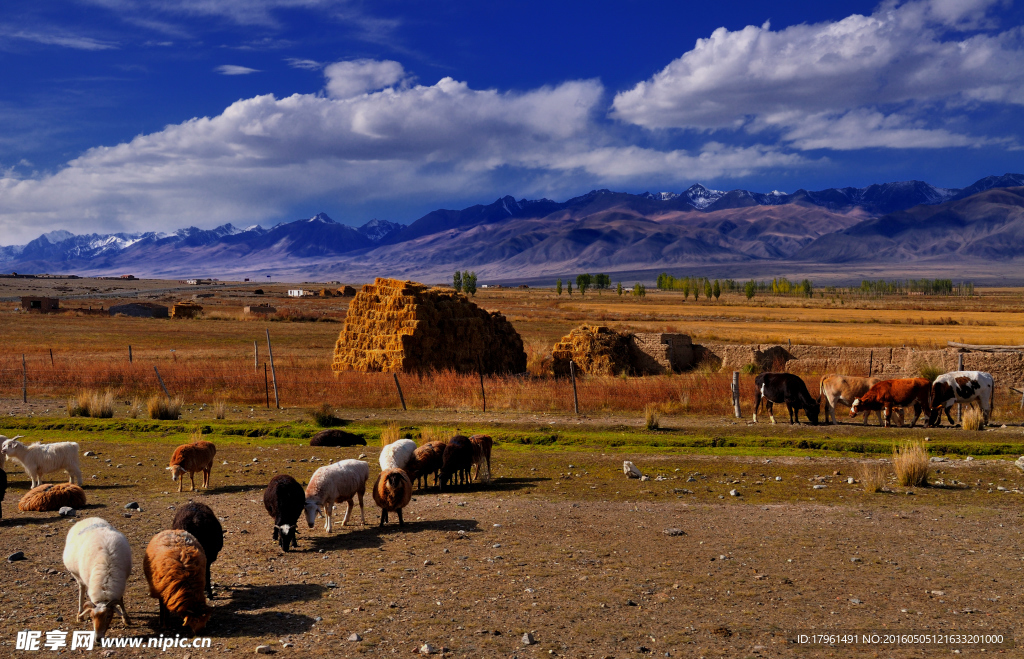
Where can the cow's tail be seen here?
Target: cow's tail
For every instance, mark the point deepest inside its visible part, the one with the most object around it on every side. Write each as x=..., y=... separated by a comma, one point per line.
x=822, y=396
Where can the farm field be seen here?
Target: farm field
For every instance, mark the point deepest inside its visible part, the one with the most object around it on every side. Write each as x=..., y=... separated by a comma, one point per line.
x=561, y=545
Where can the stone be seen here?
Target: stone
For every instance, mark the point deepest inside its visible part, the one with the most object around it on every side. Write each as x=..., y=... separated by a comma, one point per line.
x=264, y=649
x=427, y=648
x=734, y=493
x=850, y=481
x=362, y=455
x=67, y=511
x=778, y=478
x=528, y=639
x=938, y=459
x=428, y=562
x=968, y=458
x=630, y=470
x=88, y=454
x=1019, y=463
x=855, y=601
x=674, y=532
x=134, y=505
x=354, y=638
x=820, y=487
x=856, y=559
x=938, y=593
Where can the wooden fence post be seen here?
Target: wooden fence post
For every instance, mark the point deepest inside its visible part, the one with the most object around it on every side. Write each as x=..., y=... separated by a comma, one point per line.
x=24, y=380
x=959, y=367
x=273, y=373
x=51, y=357
x=575, y=396
x=400, y=396
x=129, y=354
x=255, y=357
x=266, y=384
x=736, y=393
x=483, y=394
x=161, y=381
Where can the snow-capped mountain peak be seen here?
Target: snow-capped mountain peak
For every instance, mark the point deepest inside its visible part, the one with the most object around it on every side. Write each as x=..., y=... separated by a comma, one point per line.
x=322, y=217
x=701, y=197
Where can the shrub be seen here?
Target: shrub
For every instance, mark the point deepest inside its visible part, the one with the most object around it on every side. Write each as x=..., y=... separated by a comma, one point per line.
x=163, y=408
x=93, y=404
x=435, y=434
x=220, y=409
x=930, y=372
x=322, y=416
x=751, y=369
x=972, y=418
x=910, y=460
x=872, y=476
x=652, y=418
x=392, y=432
x=135, y=408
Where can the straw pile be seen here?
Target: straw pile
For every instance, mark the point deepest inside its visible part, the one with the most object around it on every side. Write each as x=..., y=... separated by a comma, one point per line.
x=597, y=350
x=403, y=326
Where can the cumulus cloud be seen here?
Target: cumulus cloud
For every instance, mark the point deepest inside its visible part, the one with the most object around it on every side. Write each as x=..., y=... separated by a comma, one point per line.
x=234, y=70
x=352, y=78
x=877, y=72
x=263, y=155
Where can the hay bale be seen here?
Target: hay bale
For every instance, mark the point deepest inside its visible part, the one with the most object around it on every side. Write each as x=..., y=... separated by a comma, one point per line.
x=597, y=350
x=346, y=291
x=402, y=326
x=52, y=496
x=186, y=310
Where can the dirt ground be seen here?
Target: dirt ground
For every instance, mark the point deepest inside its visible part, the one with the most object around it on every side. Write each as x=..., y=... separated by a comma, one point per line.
x=563, y=546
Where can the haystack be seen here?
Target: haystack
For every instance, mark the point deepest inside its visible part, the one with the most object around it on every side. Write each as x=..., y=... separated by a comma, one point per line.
x=403, y=326
x=186, y=310
x=597, y=350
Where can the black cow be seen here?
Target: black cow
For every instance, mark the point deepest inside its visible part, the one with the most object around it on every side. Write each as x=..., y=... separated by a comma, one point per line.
x=785, y=388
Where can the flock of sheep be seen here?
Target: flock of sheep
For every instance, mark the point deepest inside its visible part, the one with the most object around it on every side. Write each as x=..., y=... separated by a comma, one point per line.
x=177, y=561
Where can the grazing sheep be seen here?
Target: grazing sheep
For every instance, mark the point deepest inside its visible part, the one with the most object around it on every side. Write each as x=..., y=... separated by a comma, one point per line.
x=392, y=491
x=397, y=454
x=335, y=437
x=3, y=490
x=99, y=558
x=333, y=483
x=40, y=459
x=481, y=453
x=458, y=461
x=175, y=568
x=190, y=459
x=52, y=496
x=199, y=520
x=285, y=500
x=426, y=460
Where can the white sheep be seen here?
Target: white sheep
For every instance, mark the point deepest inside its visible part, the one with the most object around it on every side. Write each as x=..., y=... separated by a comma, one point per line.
x=397, y=454
x=39, y=459
x=99, y=558
x=333, y=483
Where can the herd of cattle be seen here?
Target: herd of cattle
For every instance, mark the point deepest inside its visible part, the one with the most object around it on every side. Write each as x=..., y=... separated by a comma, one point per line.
x=887, y=398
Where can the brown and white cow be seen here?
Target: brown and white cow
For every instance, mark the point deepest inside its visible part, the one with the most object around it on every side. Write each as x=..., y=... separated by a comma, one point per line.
x=887, y=394
x=960, y=387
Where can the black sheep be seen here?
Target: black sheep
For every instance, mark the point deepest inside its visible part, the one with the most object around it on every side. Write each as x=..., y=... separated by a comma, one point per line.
x=285, y=500
x=335, y=437
x=199, y=520
x=3, y=489
x=458, y=461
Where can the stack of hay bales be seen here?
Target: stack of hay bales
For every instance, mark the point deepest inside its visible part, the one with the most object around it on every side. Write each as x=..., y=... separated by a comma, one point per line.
x=403, y=326
x=346, y=291
x=186, y=310
x=597, y=350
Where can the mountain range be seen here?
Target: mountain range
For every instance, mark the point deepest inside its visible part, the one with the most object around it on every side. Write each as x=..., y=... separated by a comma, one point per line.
x=902, y=225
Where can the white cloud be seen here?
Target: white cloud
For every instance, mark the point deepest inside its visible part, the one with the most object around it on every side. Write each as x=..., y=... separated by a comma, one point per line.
x=264, y=155
x=886, y=66
x=61, y=39
x=352, y=78
x=307, y=64
x=243, y=12
x=234, y=70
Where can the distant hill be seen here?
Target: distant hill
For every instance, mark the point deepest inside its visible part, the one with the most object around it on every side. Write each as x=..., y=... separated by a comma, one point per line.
x=890, y=223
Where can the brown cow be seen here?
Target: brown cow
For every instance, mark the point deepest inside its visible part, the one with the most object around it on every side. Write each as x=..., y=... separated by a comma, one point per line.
x=888, y=394
x=845, y=389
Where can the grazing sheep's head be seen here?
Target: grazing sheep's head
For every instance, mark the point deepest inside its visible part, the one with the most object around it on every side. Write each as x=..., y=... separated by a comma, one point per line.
x=855, y=408
x=285, y=535
x=312, y=508
x=176, y=472
x=101, y=615
x=196, y=619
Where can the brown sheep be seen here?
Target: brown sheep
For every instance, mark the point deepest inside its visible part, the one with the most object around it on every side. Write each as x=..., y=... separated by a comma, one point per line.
x=192, y=458
x=426, y=460
x=175, y=568
x=481, y=453
x=392, y=491
x=52, y=496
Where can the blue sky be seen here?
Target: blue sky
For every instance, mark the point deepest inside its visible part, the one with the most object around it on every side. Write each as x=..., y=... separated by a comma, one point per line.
x=118, y=115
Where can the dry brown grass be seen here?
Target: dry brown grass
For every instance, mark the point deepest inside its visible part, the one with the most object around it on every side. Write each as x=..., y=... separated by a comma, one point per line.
x=92, y=404
x=910, y=461
x=163, y=408
x=972, y=418
x=220, y=409
x=136, y=407
x=435, y=434
x=652, y=417
x=390, y=433
x=872, y=476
